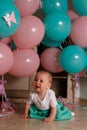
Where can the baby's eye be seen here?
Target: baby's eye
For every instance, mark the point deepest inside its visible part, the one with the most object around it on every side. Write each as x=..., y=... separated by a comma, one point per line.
x=36, y=80
x=41, y=81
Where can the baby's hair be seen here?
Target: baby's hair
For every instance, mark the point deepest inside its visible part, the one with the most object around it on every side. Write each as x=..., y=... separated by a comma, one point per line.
x=46, y=72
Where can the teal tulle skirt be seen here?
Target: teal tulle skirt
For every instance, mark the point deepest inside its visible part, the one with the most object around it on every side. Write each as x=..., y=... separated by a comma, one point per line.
x=62, y=112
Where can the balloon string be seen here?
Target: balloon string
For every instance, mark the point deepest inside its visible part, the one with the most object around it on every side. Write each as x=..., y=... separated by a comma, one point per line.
x=5, y=105
x=2, y=81
x=76, y=79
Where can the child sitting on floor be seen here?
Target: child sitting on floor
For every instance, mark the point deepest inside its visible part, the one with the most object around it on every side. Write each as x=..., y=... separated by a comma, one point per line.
x=42, y=102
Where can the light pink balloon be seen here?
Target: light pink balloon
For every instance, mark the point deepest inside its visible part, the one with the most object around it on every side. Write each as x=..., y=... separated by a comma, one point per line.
x=82, y=73
x=27, y=6
x=73, y=15
x=6, y=40
x=26, y=62
x=50, y=60
x=30, y=32
x=79, y=31
x=6, y=58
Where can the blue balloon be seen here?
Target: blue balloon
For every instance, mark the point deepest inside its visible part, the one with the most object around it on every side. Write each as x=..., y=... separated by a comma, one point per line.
x=11, y=1
x=12, y=45
x=57, y=26
x=49, y=6
x=73, y=59
x=50, y=43
x=80, y=6
x=8, y=1
x=9, y=19
x=85, y=49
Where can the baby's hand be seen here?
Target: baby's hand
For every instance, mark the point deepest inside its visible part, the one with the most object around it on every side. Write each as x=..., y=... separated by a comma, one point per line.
x=24, y=116
x=48, y=119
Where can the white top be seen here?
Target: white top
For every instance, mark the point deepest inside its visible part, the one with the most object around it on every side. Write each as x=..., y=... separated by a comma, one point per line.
x=48, y=101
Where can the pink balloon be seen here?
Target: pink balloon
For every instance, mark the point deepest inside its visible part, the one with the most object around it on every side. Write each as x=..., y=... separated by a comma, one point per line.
x=50, y=60
x=30, y=32
x=27, y=6
x=82, y=73
x=6, y=58
x=6, y=40
x=79, y=31
x=26, y=62
x=73, y=15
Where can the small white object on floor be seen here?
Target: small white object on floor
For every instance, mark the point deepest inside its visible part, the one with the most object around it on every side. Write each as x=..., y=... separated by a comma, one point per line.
x=73, y=114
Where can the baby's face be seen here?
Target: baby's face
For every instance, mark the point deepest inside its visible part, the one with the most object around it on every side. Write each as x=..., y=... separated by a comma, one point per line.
x=41, y=82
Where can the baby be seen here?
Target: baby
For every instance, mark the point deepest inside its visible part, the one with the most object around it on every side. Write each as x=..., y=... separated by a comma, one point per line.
x=42, y=102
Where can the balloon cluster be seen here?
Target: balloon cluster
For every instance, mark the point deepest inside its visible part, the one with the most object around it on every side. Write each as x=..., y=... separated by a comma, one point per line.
x=57, y=22
x=65, y=19
x=20, y=27
x=57, y=28
x=18, y=23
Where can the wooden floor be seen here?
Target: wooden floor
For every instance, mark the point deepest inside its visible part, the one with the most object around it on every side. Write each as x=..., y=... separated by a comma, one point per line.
x=79, y=122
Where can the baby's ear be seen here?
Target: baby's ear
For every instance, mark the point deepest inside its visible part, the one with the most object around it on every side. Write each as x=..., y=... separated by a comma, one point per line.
x=49, y=85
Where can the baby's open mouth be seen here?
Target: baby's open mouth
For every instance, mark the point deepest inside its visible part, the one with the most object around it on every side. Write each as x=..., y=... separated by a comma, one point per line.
x=37, y=86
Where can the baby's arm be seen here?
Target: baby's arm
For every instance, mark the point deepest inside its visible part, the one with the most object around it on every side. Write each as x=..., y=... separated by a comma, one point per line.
x=51, y=116
x=26, y=111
